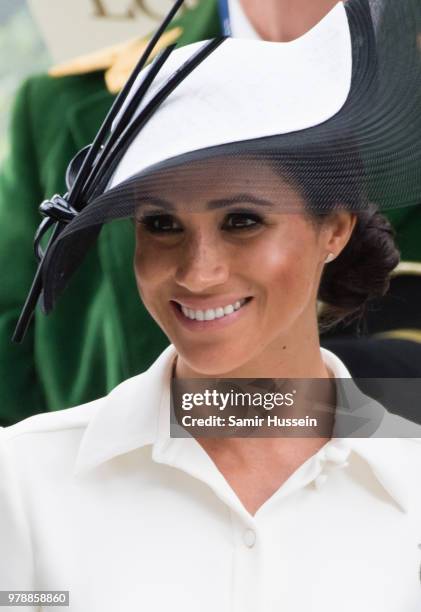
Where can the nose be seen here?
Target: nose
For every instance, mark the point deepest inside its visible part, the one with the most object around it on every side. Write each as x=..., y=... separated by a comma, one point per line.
x=203, y=264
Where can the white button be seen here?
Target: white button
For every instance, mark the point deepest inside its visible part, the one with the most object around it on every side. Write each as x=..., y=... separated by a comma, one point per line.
x=336, y=455
x=249, y=538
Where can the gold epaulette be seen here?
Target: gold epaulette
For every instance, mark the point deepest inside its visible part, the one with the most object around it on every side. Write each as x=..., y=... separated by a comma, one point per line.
x=117, y=61
x=413, y=335
x=412, y=268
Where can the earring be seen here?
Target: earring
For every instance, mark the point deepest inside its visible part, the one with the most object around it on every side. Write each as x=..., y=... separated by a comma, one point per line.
x=330, y=258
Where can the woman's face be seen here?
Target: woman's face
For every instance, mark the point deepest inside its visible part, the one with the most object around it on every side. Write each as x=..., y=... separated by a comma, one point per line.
x=235, y=278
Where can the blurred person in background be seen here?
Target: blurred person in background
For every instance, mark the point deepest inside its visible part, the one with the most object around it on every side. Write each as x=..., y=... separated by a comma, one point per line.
x=21, y=40
x=88, y=346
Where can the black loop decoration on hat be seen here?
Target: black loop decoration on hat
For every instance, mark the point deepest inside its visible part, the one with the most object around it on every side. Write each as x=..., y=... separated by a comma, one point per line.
x=42, y=230
x=55, y=210
x=58, y=208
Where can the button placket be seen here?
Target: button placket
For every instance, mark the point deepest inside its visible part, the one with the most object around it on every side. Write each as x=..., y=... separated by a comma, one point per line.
x=249, y=537
x=245, y=564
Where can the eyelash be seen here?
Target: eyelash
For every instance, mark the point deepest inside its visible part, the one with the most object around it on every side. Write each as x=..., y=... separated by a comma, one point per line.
x=149, y=222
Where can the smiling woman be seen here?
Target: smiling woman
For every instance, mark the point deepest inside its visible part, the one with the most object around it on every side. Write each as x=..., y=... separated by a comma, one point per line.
x=258, y=259
x=256, y=208
x=239, y=267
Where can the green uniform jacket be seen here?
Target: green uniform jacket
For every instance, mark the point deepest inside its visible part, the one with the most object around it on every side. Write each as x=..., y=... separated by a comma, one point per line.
x=100, y=333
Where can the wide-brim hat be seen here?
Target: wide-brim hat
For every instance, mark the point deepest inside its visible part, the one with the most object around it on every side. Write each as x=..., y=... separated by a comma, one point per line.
x=336, y=111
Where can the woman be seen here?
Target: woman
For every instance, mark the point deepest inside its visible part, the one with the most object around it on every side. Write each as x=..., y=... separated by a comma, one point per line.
x=240, y=227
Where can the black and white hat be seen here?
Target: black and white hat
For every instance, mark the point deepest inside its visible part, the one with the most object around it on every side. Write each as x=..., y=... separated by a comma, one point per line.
x=336, y=111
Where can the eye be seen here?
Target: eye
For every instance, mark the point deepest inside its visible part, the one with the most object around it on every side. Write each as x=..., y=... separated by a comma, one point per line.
x=160, y=224
x=242, y=220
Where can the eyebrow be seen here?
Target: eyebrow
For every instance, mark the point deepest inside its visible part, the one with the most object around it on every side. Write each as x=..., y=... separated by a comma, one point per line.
x=158, y=202
x=240, y=198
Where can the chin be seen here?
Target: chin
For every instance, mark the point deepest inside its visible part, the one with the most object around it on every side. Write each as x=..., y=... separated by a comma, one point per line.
x=215, y=361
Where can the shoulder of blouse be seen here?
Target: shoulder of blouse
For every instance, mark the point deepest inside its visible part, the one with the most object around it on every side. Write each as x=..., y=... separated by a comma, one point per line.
x=70, y=418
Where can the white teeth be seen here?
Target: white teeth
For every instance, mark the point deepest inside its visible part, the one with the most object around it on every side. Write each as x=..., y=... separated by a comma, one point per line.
x=212, y=313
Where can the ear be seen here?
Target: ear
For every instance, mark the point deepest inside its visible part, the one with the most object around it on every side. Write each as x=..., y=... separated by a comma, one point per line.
x=337, y=230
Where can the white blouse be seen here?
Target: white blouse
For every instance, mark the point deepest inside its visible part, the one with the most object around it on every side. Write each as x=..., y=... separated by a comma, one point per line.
x=98, y=500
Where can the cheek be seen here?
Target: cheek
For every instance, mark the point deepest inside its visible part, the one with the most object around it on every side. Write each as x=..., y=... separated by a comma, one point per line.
x=290, y=269
x=151, y=266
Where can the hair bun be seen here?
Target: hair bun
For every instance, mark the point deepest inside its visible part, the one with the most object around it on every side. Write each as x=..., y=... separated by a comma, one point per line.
x=361, y=272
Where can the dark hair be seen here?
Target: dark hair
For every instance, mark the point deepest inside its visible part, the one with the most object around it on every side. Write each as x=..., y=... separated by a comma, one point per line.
x=361, y=272
x=333, y=178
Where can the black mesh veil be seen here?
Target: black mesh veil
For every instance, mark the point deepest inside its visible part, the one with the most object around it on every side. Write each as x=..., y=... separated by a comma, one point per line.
x=367, y=151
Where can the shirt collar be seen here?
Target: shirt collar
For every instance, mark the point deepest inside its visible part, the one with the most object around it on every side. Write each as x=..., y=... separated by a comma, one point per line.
x=383, y=455
x=128, y=417
x=133, y=415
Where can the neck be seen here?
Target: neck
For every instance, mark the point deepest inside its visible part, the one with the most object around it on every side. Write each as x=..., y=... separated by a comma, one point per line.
x=285, y=20
x=256, y=467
